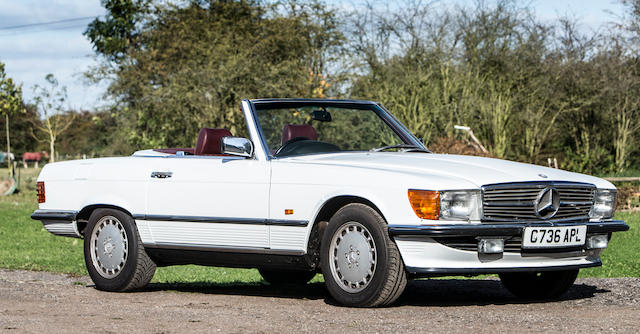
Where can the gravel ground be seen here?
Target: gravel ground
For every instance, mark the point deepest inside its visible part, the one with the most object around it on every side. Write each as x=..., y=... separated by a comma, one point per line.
x=53, y=303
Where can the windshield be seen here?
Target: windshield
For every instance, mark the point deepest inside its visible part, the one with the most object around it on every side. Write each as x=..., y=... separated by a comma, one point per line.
x=291, y=129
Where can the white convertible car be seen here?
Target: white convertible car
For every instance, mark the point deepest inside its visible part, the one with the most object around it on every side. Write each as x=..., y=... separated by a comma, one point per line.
x=339, y=187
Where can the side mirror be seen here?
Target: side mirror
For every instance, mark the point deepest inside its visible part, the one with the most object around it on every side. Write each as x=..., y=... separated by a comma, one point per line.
x=238, y=146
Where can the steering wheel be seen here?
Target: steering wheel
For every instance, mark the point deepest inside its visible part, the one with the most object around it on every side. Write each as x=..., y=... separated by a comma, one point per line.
x=289, y=142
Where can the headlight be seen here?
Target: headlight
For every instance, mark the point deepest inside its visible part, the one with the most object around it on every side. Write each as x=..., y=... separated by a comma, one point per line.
x=604, y=204
x=460, y=205
x=446, y=205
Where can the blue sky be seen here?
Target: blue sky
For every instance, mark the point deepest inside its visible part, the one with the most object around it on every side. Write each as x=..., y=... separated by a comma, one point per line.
x=31, y=53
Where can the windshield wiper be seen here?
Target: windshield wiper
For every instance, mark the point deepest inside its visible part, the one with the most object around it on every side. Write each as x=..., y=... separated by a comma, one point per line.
x=406, y=147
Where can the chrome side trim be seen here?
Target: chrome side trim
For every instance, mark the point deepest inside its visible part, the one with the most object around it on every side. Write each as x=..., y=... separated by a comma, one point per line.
x=283, y=222
x=226, y=249
x=222, y=220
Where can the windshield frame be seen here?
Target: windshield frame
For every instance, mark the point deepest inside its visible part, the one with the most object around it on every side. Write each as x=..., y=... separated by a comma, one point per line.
x=260, y=104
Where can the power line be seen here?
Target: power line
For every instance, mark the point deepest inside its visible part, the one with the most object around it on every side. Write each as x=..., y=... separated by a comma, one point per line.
x=17, y=33
x=48, y=23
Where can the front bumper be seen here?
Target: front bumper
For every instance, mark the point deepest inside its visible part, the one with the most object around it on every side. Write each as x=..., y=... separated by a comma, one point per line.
x=449, y=249
x=498, y=229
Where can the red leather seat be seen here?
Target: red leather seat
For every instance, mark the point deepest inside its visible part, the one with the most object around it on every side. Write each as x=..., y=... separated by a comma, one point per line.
x=209, y=141
x=291, y=131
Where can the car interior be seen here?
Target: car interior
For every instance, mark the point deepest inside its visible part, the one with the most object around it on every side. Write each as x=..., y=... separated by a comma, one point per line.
x=296, y=139
x=208, y=143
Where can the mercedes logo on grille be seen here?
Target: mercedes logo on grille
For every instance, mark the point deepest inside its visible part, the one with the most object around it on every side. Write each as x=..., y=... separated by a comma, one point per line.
x=548, y=203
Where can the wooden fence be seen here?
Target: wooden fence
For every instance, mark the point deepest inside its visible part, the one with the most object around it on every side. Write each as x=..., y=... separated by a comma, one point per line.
x=623, y=179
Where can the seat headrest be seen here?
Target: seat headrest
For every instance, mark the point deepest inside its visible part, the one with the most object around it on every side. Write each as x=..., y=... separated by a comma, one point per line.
x=209, y=141
x=291, y=131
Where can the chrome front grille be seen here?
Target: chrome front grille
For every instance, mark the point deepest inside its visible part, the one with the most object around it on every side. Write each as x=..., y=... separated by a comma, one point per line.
x=515, y=202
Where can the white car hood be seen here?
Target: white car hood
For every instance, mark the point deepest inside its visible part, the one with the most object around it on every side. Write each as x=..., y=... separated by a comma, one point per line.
x=475, y=170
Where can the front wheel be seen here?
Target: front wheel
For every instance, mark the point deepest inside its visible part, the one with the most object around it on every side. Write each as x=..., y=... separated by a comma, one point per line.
x=539, y=285
x=113, y=252
x=361, y=265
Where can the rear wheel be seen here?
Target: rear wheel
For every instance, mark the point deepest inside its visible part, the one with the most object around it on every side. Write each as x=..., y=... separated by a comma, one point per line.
x=287, y=277
x=113, y=252
x=539, y=285
x=361, y=264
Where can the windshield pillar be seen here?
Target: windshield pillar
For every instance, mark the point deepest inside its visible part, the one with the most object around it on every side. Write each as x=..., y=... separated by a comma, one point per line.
x=260, y=149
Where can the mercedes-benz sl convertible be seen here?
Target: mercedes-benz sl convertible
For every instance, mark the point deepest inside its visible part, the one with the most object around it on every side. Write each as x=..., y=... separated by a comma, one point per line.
x=339, y=187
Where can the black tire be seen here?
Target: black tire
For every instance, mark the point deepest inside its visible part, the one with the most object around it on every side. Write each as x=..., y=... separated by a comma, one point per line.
x=136, y=269
x=539, y=285
x=389, y=277
x=287, y=277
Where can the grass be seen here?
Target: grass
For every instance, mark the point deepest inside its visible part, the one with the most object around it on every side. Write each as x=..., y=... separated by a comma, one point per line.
x=25, y=244
x=624, y=173
x=622, y=258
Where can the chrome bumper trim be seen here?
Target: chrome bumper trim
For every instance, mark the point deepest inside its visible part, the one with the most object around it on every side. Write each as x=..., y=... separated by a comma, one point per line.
x=460, y=230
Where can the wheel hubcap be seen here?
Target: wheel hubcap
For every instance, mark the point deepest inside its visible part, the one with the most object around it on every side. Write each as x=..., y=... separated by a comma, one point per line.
x=353, y=257
x=109, y=247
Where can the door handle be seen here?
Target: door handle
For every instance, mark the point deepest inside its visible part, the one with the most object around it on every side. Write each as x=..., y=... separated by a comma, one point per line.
x=161, y=175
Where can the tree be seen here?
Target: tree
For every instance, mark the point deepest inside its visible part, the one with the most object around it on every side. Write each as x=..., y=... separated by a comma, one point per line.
x=50, y=103
x=321, y=31
x=117, y=32
x=624, y=82
x=531, y=89
x=21, y=129
x=193, y=63
x=10, y=102
x=94, y=134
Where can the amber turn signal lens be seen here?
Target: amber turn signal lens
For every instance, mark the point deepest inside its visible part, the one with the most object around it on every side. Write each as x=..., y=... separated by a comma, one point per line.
x=40, y=189
x=425, y=203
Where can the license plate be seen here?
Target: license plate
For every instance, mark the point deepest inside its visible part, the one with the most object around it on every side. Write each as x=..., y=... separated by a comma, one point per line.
x=554, y=237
